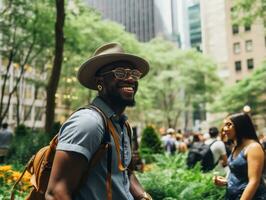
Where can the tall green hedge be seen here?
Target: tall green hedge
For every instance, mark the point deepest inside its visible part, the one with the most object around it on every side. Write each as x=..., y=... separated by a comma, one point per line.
x=150, y=144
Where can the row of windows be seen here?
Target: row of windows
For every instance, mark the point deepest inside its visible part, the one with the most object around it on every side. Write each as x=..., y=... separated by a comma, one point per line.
x=38, y=113
x=248, y=46
x=235, y=28
x=238, y=64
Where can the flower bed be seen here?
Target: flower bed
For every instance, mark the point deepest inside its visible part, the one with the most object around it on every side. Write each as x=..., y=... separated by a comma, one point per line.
x=8, y=177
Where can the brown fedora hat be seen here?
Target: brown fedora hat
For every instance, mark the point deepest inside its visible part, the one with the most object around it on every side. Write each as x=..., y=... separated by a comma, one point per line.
x=104, y=55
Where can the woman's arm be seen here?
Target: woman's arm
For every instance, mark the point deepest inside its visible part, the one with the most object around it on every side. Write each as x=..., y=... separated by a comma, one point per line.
x=255, y=159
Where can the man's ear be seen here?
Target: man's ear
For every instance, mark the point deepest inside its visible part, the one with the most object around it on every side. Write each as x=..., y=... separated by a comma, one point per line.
x=99, y=83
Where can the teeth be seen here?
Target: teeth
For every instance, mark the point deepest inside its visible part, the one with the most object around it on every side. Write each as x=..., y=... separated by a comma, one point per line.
x=128, y=88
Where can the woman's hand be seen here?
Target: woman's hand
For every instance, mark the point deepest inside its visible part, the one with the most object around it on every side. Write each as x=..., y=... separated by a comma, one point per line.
x=219, y=181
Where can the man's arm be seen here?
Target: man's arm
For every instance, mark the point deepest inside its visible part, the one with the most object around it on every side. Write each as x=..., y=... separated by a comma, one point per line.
x=66, y=175
x=136, y=189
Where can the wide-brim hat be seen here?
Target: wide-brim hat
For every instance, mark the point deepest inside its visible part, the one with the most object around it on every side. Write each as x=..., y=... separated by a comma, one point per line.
x=104, y=55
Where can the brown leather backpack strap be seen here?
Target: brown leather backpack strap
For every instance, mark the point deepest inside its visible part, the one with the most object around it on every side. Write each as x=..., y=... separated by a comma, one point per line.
x=117, y=144
x=12, y=197
x=53, y=143
x=105, y=146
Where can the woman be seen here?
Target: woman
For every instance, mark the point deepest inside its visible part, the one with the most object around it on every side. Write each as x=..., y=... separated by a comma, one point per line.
x=246, y=162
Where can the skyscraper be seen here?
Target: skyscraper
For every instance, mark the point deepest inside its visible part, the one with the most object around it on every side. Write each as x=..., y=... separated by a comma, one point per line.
x=136, y=15
x=194, y=23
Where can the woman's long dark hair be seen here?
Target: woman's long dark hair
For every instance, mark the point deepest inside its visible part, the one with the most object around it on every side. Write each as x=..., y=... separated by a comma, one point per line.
x=244, y=127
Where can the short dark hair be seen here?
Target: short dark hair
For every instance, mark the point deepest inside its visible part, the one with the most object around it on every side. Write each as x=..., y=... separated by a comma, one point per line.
x=213, y=131
x=4, y=125
x=244, y=127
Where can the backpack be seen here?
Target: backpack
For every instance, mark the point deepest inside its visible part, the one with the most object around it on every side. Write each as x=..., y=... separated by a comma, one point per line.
x=170, y=146
x=200, y=152
x=40, y=165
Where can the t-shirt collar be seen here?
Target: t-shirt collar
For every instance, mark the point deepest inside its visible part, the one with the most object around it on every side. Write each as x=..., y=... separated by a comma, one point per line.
x=99, y=102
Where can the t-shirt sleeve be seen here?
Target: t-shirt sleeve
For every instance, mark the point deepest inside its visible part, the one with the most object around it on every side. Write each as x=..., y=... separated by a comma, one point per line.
x=82, y=133
x=221, y=148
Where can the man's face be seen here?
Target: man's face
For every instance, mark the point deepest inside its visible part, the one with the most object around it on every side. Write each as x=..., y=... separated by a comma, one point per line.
x=120, y=83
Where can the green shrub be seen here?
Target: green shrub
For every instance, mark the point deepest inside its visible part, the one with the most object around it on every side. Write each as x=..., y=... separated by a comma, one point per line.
x=24, y=145
x=150, y=144
x=170, y=180
x=21, y=130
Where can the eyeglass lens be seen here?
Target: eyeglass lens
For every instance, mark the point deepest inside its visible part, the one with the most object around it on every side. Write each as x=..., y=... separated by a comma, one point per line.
x=121, y=73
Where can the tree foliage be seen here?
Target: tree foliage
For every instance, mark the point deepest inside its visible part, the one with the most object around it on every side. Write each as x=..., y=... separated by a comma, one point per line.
x=25, y=43
x=249, y=91
x=247, y=11
x=177, y=80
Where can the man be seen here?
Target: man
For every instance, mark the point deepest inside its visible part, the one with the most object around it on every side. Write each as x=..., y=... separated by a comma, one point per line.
x=217, y=147
x=115, y=75
x=5, y=141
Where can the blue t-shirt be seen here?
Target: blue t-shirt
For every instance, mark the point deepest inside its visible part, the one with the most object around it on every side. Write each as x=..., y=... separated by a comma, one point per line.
x=83, y=133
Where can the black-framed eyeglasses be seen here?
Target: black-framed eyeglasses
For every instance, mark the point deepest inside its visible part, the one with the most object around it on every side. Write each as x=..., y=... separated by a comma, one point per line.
x=123, y=74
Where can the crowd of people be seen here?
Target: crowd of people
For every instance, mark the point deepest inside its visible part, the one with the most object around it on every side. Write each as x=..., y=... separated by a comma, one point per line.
x=237, y=148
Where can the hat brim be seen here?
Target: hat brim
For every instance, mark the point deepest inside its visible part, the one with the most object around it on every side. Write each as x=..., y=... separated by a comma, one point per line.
x=87, y=71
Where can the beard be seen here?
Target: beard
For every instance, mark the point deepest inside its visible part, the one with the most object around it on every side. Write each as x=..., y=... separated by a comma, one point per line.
x=119, y=100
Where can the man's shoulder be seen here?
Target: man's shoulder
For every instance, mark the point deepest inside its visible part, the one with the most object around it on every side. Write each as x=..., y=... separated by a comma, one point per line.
x=86, y=113
x=84, y=119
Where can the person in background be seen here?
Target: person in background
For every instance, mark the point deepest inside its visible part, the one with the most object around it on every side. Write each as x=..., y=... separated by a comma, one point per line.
x=246, y=162
x=181, y=146
x=217, y=147
x=170, y=142
x=5, y=140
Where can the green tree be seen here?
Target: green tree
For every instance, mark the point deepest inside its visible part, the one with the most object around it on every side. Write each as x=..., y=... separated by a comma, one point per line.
x=177, y=80
x=57, y=65
x=24, y=41
x=249, y=91
x=247, y=11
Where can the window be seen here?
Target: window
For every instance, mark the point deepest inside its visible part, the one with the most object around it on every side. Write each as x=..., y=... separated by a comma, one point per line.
x=250, y=63
x=247, y=27
x=27, y=113
x=237, y=48
x=38, y=113
x=235, y=29
x=249, y=45
x=14, y=112
x=238, y=65
x=28, y=91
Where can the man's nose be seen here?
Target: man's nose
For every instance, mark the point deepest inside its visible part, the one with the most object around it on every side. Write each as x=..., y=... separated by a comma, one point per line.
x=129, y=78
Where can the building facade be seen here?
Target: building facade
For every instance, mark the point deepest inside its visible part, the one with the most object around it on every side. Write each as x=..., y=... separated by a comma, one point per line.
x=237, y=49
x=136, y=15
x=27, y=104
